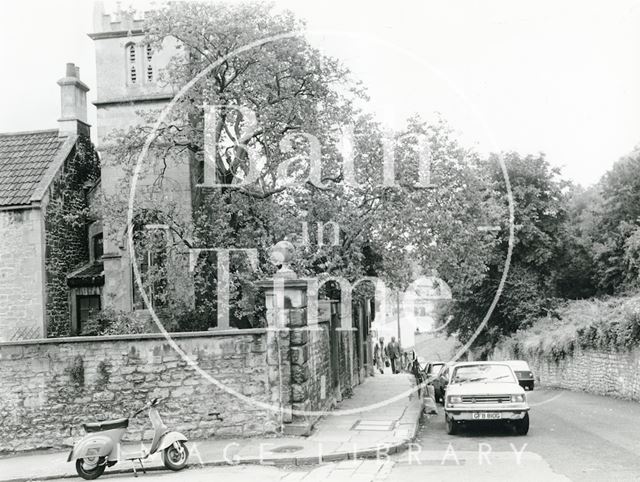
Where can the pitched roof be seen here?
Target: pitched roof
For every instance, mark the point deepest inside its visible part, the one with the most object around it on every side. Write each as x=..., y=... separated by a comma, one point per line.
x=91, y=274
x=26, y=161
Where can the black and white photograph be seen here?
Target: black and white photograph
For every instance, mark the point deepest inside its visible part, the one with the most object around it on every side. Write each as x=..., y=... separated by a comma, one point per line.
x=301, y=240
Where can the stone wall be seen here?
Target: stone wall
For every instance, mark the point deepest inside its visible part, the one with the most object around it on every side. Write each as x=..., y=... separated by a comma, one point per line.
x=21, y=275
x=345, y=363
x=50, y=387
x=319, y=367
x=615, y=374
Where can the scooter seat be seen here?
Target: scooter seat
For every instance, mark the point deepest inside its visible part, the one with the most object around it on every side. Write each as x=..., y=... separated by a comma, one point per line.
x=106, y=425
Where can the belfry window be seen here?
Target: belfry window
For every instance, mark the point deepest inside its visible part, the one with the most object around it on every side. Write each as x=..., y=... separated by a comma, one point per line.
x=131, y=56
x=149, y=58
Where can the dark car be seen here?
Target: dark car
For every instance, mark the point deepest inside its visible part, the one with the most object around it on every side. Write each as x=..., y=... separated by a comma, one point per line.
x=523, y=372
x=440, y=381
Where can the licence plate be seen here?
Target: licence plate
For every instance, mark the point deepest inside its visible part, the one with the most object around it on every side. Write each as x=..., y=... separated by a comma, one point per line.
x=486, y=415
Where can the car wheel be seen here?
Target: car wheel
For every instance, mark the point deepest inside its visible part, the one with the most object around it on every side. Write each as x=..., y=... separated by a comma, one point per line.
x=531, y=386
x=522, y=426
x=452, y=425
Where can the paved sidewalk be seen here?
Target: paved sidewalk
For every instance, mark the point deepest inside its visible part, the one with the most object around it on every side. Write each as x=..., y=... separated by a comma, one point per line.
x=364, y=425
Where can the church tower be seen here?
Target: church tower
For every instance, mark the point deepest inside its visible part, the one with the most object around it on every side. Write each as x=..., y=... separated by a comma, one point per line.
x=129, y=94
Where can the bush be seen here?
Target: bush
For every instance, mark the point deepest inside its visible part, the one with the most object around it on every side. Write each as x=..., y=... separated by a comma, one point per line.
x=611, y=324
x=114, y=322
x=190, y=319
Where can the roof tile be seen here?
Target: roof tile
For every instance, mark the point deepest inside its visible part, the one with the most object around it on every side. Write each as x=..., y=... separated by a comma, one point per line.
x=24, y=158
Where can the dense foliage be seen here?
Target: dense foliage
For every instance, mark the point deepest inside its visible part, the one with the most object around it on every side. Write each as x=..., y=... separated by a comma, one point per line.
x=294, y=91
x=611, y=324
x=66, y=217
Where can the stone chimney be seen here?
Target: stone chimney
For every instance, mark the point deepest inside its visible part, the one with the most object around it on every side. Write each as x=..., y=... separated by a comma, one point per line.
x=73, y=96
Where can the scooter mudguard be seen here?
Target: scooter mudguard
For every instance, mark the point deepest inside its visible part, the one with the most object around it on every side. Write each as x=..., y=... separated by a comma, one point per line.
x=92, y=446
x=169, y=438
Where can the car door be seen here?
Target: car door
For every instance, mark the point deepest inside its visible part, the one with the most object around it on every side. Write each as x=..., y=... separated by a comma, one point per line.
x=440, y=383
x=444, y=381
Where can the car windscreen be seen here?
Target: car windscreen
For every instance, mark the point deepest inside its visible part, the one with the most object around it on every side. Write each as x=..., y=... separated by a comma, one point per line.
x=482, y=373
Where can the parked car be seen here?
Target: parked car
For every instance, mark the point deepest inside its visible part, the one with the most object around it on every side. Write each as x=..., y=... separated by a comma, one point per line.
x=433, y=369
x=425, y=371
x=485, y=391
x=440, y=381
x=523, y=372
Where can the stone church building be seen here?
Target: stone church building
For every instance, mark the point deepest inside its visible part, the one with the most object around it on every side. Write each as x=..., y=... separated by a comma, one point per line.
x=43, y=296
x=39, y=172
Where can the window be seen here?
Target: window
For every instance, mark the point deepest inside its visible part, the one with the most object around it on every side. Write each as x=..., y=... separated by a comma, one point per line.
x=98, y=246
x=149, y=57
x=151, y=255
x=132, y=71
x=87, y=305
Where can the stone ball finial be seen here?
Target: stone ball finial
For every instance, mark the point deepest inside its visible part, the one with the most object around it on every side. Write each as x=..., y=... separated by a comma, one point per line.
x=282, y=254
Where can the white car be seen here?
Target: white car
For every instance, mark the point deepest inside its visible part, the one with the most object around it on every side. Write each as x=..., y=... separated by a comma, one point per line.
x=485, y=391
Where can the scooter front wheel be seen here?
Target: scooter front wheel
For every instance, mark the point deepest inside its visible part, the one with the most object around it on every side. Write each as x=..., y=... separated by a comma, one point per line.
x=175, y=456
x=91, y=468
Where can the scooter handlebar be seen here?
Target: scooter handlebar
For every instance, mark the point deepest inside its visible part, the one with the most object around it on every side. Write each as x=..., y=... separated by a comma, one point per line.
x=152, y=403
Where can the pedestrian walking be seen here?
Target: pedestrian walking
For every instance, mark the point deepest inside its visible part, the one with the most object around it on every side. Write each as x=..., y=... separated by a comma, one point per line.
x=379, y=354
x=394, y=354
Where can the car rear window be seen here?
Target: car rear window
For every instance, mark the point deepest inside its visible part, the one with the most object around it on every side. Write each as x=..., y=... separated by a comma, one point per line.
x=520, y=366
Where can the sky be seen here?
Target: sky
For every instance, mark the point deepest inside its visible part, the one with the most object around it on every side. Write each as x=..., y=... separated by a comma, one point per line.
x=559, y=77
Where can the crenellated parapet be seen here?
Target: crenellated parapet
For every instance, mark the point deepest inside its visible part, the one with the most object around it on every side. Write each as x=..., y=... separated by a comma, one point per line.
x=121, y=21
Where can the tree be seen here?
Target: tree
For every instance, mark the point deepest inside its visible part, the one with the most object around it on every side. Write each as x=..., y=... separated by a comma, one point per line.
x=529, y=290
x=616, y=226
x=294, y=91
x=576, y=273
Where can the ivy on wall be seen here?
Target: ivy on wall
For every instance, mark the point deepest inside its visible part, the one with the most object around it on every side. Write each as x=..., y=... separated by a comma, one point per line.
x=609, y=326
x=66, y=219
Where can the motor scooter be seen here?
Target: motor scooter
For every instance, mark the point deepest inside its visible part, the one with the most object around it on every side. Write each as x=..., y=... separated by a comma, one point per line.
x=100, y=448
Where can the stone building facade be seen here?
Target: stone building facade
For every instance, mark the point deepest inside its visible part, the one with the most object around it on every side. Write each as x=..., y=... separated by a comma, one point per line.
x=34, y=169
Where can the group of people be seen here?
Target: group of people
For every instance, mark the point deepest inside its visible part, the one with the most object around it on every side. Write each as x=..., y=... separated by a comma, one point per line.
x=390, y=355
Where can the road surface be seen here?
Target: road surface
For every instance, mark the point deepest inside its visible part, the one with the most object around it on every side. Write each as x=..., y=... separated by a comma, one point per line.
x=573, y=436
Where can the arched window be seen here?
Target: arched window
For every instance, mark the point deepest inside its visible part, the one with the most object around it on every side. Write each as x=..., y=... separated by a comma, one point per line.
x=150, y=242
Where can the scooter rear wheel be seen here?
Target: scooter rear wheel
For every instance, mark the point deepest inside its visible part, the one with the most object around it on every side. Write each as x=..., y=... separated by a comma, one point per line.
x=89, y=470
x=175, y=456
